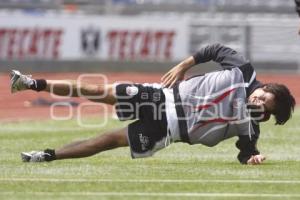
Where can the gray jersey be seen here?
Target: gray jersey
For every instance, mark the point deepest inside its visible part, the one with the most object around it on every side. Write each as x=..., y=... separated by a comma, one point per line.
x=212, y=107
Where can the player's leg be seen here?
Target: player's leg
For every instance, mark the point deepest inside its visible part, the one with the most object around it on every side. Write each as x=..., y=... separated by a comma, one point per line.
x=99, y=93
x=93, y=146
x=103, y=93
x=80, y=149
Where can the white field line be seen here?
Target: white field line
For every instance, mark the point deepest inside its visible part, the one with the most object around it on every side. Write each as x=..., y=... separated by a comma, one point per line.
x=76, y=129
x=150, y=181
x=153, y=194
x=45, y=129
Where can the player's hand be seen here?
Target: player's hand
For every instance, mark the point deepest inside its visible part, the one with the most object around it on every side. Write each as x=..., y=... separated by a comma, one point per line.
x=256, y=159
x=174, y=75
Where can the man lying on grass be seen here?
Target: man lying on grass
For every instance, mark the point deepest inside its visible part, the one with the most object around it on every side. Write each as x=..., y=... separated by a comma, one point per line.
x=204, y=109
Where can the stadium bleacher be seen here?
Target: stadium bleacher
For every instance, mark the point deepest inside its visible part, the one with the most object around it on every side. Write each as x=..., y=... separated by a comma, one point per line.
x=140, y=6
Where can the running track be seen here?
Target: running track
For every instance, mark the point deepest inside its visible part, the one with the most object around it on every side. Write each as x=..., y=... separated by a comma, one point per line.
x=15, y=107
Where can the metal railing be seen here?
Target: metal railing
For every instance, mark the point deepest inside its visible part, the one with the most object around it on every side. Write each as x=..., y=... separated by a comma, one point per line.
x=141, y=6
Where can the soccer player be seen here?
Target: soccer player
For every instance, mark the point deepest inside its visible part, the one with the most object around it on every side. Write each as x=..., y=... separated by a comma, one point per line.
x=204, y=109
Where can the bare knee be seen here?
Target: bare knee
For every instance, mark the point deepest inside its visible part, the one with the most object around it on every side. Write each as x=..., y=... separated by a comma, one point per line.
x=102, y=93
x=109, y=93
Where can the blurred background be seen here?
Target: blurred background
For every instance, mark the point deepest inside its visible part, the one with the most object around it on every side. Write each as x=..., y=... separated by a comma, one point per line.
x=144, y=35
x=64, y=38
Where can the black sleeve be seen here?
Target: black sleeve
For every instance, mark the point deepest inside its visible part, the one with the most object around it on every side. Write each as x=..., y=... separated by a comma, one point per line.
x=248, y=72
x=247, y=146
x=221, y=54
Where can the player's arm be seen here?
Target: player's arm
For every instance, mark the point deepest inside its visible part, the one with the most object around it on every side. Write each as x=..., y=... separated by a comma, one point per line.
x=256, y=159
x=177, y=72
x=219, y=53
x=248, y=151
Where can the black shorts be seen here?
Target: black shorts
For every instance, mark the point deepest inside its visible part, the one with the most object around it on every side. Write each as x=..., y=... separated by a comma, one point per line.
x=146, y=105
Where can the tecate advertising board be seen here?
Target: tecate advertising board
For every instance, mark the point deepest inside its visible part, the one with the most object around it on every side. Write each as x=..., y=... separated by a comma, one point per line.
x=71, y=37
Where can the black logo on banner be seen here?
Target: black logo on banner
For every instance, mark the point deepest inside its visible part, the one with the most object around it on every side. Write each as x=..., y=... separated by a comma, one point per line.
x=90, y=41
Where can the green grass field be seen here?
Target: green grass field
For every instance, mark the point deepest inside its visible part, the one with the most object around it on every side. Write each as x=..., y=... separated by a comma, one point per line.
x=180, y=171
